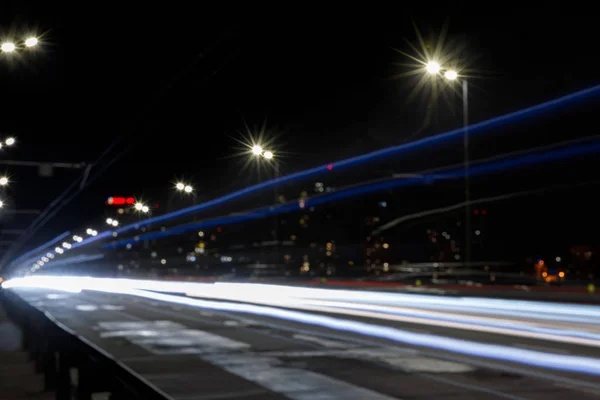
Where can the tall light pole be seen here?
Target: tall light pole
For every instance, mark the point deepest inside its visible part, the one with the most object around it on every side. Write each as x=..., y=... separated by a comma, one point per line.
x=259, y=151
x=434, y=68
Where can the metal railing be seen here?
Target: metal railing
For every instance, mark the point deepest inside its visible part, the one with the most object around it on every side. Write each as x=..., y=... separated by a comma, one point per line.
x=73, y=367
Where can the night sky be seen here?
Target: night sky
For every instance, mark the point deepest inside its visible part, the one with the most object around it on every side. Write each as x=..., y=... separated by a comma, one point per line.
x=174, y=90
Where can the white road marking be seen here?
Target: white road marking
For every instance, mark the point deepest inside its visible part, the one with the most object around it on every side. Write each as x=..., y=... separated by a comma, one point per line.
x=166, y=337
x=57, y=296
x=293, y=383
x=110, y=307
x=86, y=307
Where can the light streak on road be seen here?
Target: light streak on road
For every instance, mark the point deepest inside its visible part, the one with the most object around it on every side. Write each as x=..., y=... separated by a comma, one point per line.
x=269, y=299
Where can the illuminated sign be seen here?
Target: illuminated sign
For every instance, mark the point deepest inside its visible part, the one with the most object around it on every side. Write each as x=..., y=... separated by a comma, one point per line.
x=120, y=201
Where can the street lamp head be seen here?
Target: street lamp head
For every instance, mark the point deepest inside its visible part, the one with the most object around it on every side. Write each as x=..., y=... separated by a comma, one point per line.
x=145, y=209
x=3, y=181
x=432, y=67
x=31, y=41
x=188, y=189
x=451, y=75
x=1, y=204
x=8, y=47
x=257, y=150
x=115, y=223
x=10, y=141
x=180, y=186
x=138, y=206
x=268, y=155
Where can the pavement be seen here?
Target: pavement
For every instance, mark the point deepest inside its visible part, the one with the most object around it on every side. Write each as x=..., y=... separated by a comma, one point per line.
x=202, y=352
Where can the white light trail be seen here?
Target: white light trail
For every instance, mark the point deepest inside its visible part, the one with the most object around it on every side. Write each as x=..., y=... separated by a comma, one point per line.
x=285, y=296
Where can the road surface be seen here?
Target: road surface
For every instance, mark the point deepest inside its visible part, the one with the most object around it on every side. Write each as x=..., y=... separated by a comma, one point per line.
x=194, y=352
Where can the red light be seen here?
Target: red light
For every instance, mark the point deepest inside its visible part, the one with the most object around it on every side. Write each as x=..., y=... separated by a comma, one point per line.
x=119, y=201
x=155, y=205
x=476, y=212
x=219, y=229
x=330, y=167
x=483, y=212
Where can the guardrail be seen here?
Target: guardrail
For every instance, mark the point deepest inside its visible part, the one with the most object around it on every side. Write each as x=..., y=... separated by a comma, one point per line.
x=73, y=367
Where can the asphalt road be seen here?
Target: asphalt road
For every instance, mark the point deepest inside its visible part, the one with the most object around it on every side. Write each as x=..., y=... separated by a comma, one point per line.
x=192, y=352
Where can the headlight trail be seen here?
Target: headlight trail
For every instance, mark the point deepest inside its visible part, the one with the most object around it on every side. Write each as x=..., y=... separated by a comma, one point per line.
x=284, y=296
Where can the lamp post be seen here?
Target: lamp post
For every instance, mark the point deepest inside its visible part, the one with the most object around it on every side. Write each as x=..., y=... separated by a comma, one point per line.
x=268, y=155
x=433, y=68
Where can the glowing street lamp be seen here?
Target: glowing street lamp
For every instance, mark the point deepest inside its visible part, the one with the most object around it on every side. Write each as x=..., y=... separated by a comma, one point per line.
x=3, y=181
x=138, y=206
x=109, y=221
x=114, y=223
x=1, y=204
x=7, y=47
x=31, y=41
x=145, y=209
x=268, y=155
x=180, y=186
x=10, y=141
x=451, y=75
x=188, y=189
x=257, y=150
x=432, y=67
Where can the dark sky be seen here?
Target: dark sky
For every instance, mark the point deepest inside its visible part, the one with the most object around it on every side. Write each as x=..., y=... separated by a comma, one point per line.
x=175, y=87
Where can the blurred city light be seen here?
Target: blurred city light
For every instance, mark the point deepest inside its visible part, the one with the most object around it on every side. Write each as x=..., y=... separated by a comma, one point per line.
x=432, y=67
x=145, y=209
x=109, y=221
x=31, y=41
x=8, y=47
x=180, y=186
x=10, y=141
x=1, y=204
x=114, y=222
x=268, y=155
x=188, y=189
x=451, y=75
x=3, y=181
x=139, y=206
x=257, y=150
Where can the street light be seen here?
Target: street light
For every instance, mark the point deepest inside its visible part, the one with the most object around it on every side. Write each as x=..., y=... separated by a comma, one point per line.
x=180, y=186
x=10, y=141
x=3, y=181
x=451, y=75
x=145, y=209
x=31, y=41
x=8, y=47
x=109, y=221
x=268, y=155
x=432, y=67
x=138, y=206
x=188, y=189
x=1, y=204
x=257, y=150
